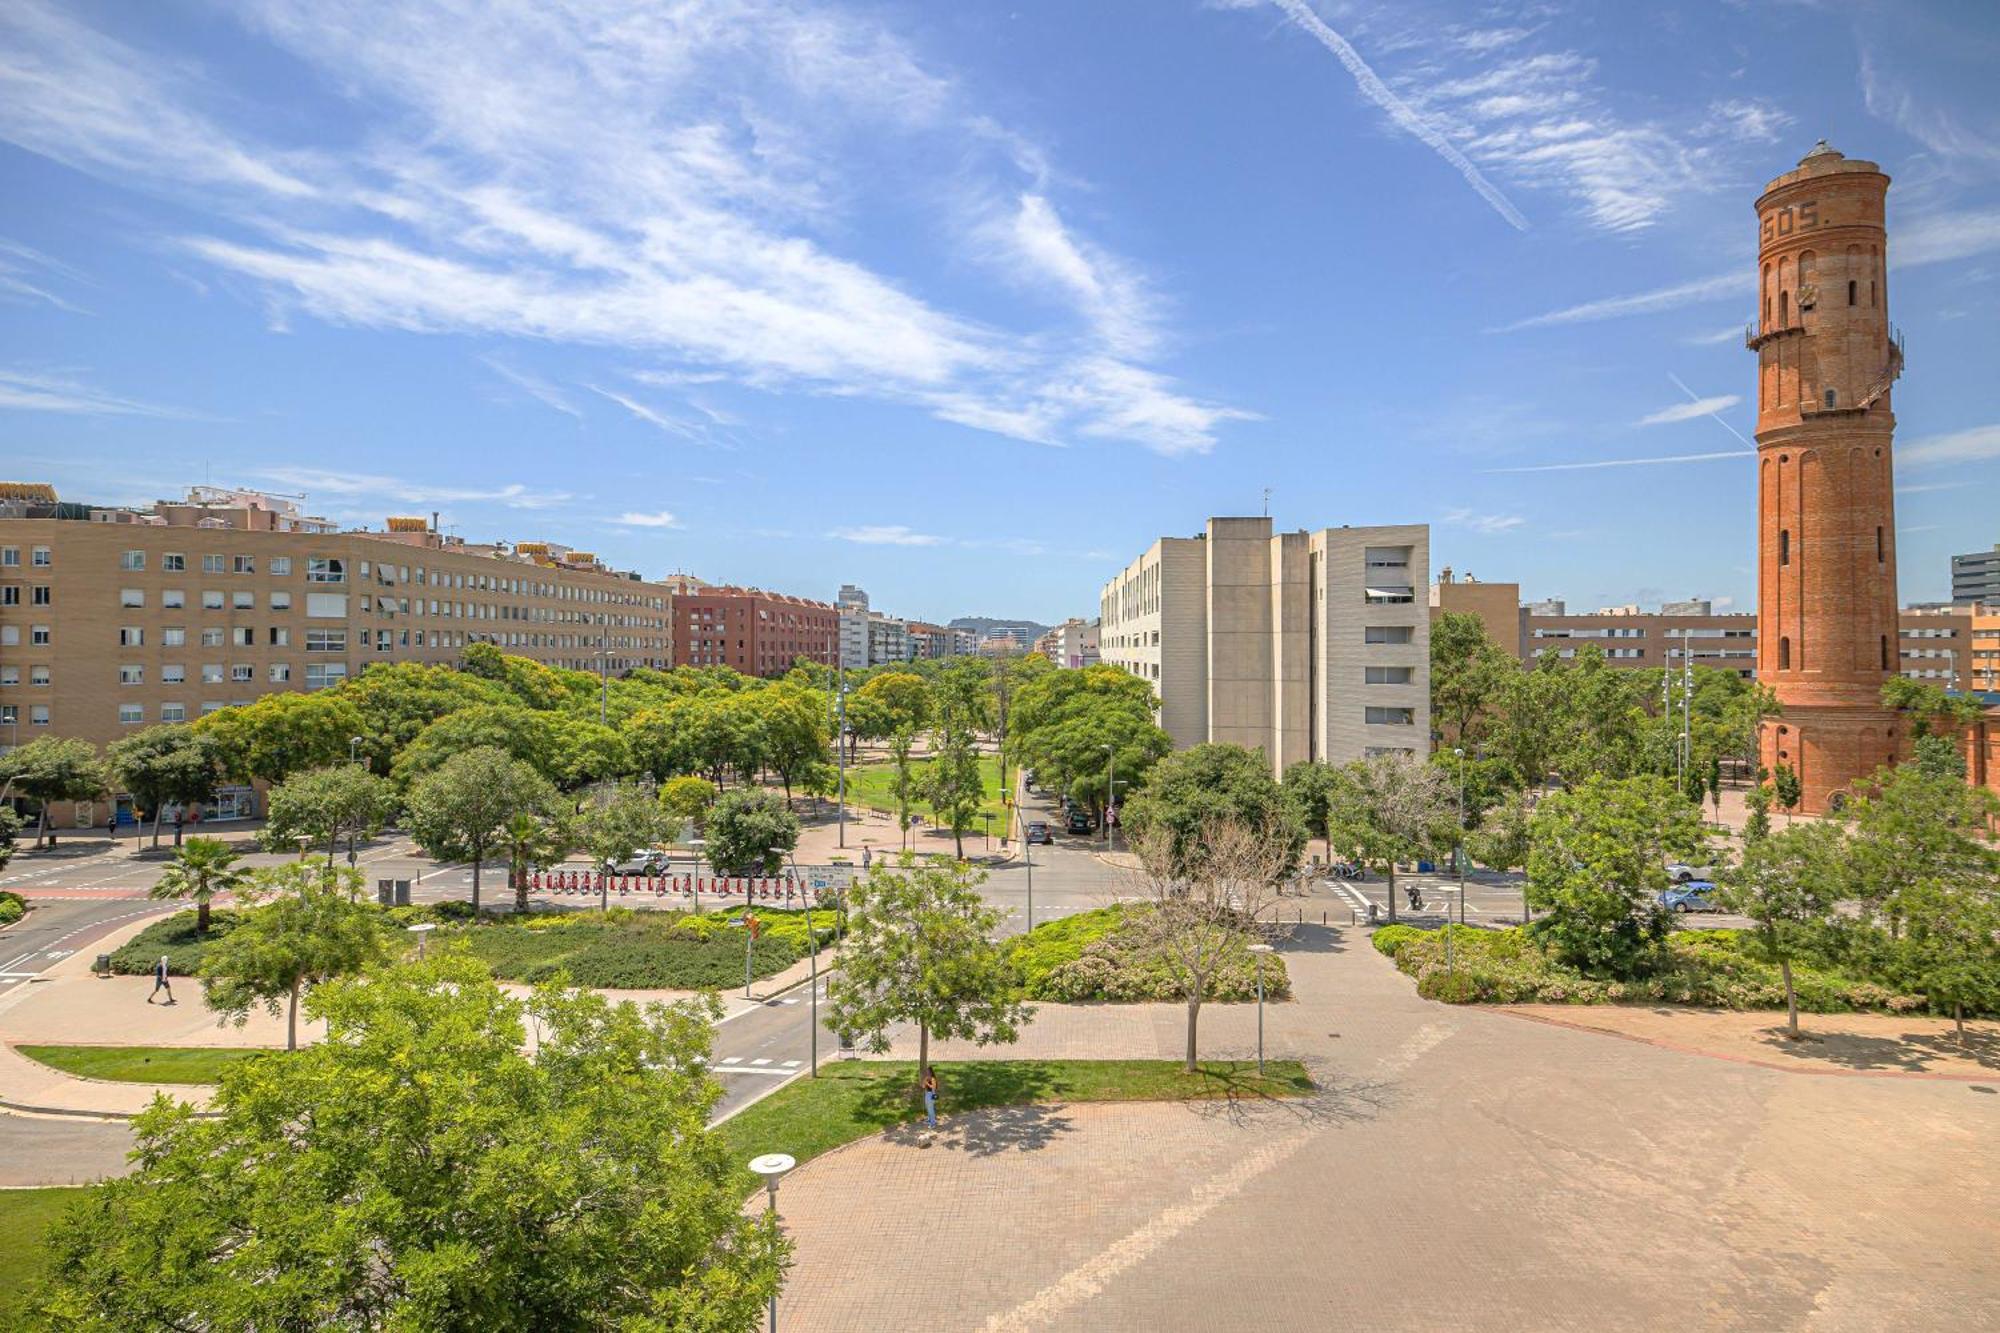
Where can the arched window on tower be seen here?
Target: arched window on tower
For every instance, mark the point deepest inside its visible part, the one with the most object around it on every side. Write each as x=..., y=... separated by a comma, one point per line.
x=1784, y=309
x=1880, y=557
x=1784, y=654
x=1852, y=285
x=1885, y=652
x=1784, y=546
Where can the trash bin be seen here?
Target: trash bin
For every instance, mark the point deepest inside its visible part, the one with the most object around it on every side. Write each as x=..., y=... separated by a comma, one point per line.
x=102, y=967
x=1374, y=913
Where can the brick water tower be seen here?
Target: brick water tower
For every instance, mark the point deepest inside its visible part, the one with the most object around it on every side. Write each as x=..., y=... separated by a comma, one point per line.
x=1826, y=521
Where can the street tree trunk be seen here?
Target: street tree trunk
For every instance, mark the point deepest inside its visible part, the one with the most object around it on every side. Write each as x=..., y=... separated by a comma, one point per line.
x=519, y=874
x=1392, y=891
x=923, y=1053
x=477, y=856
x=1958, y=1016
x=1194, y=1022
x=292, y=1019
x=1791, y=999
x=201, y=915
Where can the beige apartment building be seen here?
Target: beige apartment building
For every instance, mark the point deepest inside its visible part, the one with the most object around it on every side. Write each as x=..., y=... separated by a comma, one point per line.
x=1955, y=645
x=1632, y=637
x=112, y=620
x=1305, y=645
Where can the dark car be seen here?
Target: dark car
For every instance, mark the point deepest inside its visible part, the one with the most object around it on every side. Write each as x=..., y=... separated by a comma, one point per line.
x=1080, y=821
x=1040, y=832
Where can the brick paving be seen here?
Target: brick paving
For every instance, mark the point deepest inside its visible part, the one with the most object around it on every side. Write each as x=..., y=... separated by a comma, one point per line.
x=1461, y=1169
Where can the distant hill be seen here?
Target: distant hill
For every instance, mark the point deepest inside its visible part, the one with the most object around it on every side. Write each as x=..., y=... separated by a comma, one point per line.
x=985, y=625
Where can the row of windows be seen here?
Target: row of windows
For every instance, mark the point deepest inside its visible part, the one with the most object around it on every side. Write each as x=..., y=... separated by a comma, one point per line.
x=40, y=595
x=40, y=557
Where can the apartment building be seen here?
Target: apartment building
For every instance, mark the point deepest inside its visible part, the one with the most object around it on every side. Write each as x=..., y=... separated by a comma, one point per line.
x=1934, y=643
x=1631, y=637
x=1074, y=643
x=853, y=608
x=113, y=619
x=888, y=639
x=756, y=632
x=1497, y=605
x=1975, y=577
x=1306, y=645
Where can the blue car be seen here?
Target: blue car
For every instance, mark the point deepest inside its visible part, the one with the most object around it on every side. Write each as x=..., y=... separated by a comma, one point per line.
x=1694, y=896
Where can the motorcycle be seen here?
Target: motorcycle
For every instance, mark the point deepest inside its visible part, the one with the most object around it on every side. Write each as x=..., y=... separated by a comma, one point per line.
x=1416, y=898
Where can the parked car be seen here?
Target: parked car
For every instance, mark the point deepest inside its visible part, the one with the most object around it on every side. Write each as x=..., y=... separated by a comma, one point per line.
x=1695, y=895
x=1039, y=831
x=1680, y=872
x=1080, y=821
x=648, y=861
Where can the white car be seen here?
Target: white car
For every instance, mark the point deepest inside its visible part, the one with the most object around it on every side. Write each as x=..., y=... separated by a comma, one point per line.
x=651, y=861
x=1680, y=872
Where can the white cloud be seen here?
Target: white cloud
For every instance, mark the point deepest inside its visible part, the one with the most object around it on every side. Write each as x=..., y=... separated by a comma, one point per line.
x=535, y=387
x=658, y=519
x=1715, y=338
x=1490, y=525
x=1939, y=238
x=1742, y=284
x=26, y=276
x=1405, y=117
x=1889, y=99
x=1975, y=445
x=35, y=391
x=351, y=484
x=651, y=416
x=1621, y=462
x=1700, y=407
x=886, y=534
x=1749, y=118
x=669, y=182
x=1928, y=486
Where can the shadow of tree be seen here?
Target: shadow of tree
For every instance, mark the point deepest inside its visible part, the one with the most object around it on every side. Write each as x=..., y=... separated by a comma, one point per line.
x=991, y=1131
x=1325, y=1100
x=1912, y=1052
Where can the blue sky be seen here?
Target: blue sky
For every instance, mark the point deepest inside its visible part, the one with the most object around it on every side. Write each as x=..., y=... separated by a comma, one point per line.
x=968, y=302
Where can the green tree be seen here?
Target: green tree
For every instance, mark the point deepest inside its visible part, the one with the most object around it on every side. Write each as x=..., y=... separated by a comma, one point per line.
x=456, y=812
x=532, y=840
x=1209, y=785
x=954, y=788
x=311, y=929
x=794, y=729
x=1939, y=757
x=324, y=805
x=1952, y=949
x=583, y=752
x=166, y=765
x=1758, y=823
x=751, y=833
x=895, y=701
x=1598, y=863
x=1310, y=786
x=1911, y=828
x=519, y=732
x=397, y=700
x=282, y=734
x=50, y=769
x=10, y=830
x=1787, y=885
x=424, y=1169
x=1392, y=808
x=621, y=823
x=905, y=786
x=1503, y=839
x=1468, y=672
x=201, y=868
x=1789, y=790
x=920, y=949
x=687, y=799
x=1929, y=707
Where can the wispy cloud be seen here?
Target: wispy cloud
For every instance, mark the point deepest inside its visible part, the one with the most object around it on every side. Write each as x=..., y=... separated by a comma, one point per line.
x=1749, y=118
x=1715, y=338
x=650, y=415
x=886, y=534
x=38, y=391
x=537, y=388
x=1400, y=112
x=1888, y=98
x=1700, y=407
x=658, y=519
x=1591, y=464
x=27, y=276
x=1488, y=525
x=1976, y=445
x=671, y=183
x=1644, y=303
x=317, y=481
x=1925, y=488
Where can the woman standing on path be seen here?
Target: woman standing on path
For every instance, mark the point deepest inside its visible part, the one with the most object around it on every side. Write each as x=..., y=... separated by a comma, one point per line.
x=930, y=1097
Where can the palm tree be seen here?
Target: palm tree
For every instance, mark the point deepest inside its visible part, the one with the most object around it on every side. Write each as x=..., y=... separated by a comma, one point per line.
x=201, y=868
x=530, y=842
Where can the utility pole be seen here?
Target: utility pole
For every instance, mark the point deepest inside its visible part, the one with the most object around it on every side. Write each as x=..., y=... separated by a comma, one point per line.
x=840, y=741
x=603, y=683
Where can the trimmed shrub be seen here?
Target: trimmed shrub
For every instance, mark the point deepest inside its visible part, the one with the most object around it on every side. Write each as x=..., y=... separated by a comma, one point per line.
x=1102, y=955
x=1388, y=939
x=12, y=908
x=626, y=949
x=175, y=937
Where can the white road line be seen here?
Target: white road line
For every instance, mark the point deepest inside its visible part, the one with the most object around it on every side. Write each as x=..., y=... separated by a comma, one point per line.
x=761, y=1060
x=746, y=1069
x=1351, y=893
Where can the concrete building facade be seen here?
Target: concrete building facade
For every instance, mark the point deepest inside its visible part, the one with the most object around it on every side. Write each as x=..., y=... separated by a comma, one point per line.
x=1305, y=645
x=756, y=632
x=1074, y=643
x=1827, y=357
x=853, y=607
x=1631, y=637
x=1975, y=577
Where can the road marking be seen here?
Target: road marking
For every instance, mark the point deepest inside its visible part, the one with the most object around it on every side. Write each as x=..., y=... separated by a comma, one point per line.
x=746, y=1069
x=1352, y=894
x=761, y=1060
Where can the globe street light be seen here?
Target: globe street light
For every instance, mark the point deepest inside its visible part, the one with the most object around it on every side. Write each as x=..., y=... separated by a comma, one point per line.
x=1459, y=853
x=772, y=1166
x=1260, y=950
x=421, y=929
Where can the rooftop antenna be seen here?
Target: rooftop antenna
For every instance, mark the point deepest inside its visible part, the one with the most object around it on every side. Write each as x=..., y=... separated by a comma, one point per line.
x=1267, y=502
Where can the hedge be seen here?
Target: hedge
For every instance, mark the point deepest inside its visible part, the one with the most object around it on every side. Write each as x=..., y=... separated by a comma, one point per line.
x=624, y=949
x=12, y=907
x=1103, y=955
x=175, y=937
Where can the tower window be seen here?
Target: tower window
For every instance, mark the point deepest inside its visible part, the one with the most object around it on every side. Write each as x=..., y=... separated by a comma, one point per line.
x=1885, y=652
x=1784, y=654
x=1830, y=397
x=1784, y=309
x=1871, y=294
x=1878, y=545
x=1784, y=546
x=1851, y=286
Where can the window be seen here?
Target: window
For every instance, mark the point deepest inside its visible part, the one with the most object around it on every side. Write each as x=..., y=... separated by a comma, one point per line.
x=326, y=640
x=10, y=714
x=210, y=707
x=1389, y=594
x=174, y=562
x=1830, y=397
x=281, y=601
x=1784, y=654
x=1885, y=652
x=131, y=636
x=1387, y=675
x=280, y=673
x=173, y=636
x=1390, y=717
x=41, y=557
x=243, y=636
x=173, y=599
x=1852, y=287
x=1784, y=546
x=10, y=675
x=42, y=596
x=211, y=601
x=131, y=713
x=211, y=637
x=326, y=605
x=212, y=564
x=320, y=675
x=243, y=564
x=281, y=564
x=325, y=569
x=243, y=599
x=173, y=712
x=131, y=675
x=10, y=557
x=131, y=597
x=1879, y=556
x=38, y=715
x=211, y=673
x=173, y=674
x=1386, y=634
x=10, y=595
x=132, y=560
x=280, y=636
x=240, y=672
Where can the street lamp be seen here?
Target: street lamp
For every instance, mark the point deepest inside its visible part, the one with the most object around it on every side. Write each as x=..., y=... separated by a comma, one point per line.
x=1459, y=852
x=694, y=891
x=421, y=929
x=1260, y=950
x=1028, y=856
x=353, y=745
x=812, y=947
x=1110, y=792
x=772, y=1166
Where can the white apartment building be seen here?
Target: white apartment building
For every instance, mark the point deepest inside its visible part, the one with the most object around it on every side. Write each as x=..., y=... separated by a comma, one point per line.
x=853, y=604
x=1306, y=645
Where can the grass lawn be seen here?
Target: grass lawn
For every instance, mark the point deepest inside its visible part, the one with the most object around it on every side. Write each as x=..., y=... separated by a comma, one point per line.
x=143, y=1064
x=854, y=1099
x=871, y=785
x=25, y=1215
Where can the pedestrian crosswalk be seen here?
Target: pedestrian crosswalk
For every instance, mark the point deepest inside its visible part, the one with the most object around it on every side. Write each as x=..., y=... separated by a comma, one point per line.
x=736, y=1064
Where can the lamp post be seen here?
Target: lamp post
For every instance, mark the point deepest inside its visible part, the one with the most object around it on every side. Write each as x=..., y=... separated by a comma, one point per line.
x=812, y=948
x=1260, y=950
x=353, y=745
x=603, y=680
x=421, y=929
x=1028, y=858
x=1110, y=791
x=1458, y=853
x=772, y=1166
x=695, y=845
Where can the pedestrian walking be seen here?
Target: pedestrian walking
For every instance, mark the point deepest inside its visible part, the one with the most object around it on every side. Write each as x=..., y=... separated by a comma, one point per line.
x=867, y=857
x=930, y=1097
x=160, y=982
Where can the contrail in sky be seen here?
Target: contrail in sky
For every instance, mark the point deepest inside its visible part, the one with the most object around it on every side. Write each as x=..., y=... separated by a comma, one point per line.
x=1399, y=111
x=1694, y=397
